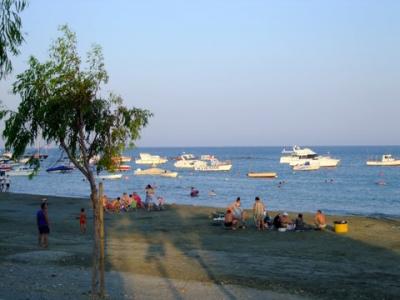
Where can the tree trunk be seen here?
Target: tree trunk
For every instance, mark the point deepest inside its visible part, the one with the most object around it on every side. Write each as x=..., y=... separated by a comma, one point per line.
x=101, y=262
x=96, y=241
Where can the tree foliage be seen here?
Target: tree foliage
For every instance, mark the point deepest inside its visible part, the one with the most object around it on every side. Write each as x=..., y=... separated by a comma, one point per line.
x=11, y=36
x=62, y=103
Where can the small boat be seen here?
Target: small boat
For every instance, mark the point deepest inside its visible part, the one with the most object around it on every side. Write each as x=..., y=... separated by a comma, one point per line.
x=215, y=165
x=60, y=169
x=21, y=171
x=306, y=166
x=7, y=154
x=123, y=168
x=122, y=159
x=148, y=159
x=109, y=176
x=262, y=175
x=386, y=160
x=156, y=172
x=5, y=167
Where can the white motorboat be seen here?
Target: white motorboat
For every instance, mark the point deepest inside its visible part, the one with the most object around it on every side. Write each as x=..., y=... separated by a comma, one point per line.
x=22, y=171
x=215, y=165
x=189, y=163
x=109, y=176
x=300, y=155
x=156, y=172
x=148, y=159
x=306, y=166
x=386, y=160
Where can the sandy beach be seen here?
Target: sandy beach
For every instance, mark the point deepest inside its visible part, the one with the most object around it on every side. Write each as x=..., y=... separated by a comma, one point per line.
x=178, y=254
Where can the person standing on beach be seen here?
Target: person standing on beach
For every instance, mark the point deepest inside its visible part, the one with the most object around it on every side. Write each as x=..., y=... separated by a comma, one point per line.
x=149, y=197
x=258, y=210
x=7, y=182
x=82, y=220
x=238, y=213
x=42, y=221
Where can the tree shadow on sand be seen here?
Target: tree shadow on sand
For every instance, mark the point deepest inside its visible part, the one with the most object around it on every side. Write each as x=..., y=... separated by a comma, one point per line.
x=180, y=244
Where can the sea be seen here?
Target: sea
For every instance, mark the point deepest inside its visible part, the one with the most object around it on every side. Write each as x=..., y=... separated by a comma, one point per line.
x=350, y=189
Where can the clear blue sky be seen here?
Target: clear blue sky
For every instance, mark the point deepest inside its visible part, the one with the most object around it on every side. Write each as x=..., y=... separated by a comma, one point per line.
x=242, y=72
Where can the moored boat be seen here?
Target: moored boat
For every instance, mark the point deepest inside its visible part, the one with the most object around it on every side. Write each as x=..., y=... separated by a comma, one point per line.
x=60, y=169
x=156, y=172
x=148, y=159
x=300, y=155
x=5, y=167
x=22, y=171
x=386, y=160
x=123, y=168
x=262, y=175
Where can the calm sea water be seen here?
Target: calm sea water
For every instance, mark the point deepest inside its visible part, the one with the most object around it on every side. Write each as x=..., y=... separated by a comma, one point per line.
x=348, y=189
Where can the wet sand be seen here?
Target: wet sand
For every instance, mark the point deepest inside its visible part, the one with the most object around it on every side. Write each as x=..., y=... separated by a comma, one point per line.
x=178, y=254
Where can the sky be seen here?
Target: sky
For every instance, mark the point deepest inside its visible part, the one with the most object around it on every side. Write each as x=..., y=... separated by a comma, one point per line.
x=239, y=72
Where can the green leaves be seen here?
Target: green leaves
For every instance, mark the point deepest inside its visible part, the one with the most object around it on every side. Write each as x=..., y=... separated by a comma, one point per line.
x=61, y=103
x=11, y=36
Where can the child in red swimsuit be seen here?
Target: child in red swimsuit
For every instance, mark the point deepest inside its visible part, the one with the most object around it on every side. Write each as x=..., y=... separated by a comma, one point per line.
x=82, y=220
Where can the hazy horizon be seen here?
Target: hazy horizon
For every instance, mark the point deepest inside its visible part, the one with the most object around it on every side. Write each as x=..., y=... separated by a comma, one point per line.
x=239, y=73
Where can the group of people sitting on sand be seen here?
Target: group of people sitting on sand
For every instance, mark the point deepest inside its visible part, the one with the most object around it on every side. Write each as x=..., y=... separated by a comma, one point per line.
x=235, y=217
x=134, y=201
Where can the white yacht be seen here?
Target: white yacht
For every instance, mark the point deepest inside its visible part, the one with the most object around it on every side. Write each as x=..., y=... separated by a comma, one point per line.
x=386, y=160
x=300, y=155
x=148, y=159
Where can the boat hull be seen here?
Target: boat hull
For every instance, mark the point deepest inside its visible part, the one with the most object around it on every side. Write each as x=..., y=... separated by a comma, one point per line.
x=156, y=172
x=384, y=163
x=110, y=176
x=306, y=168
x=213, y=168
x=60, y=169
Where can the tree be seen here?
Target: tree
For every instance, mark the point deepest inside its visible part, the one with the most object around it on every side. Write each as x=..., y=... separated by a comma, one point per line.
x=10, y=32
x=62, y=103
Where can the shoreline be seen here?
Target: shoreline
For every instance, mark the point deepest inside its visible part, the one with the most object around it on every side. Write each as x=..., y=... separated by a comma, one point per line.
x=327, y=212
x=181, y=252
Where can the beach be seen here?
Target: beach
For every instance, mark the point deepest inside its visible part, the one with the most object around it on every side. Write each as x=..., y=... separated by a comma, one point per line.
x=179, y=254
